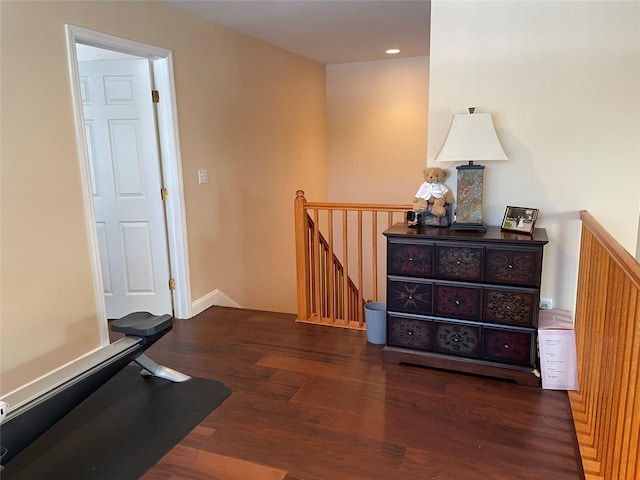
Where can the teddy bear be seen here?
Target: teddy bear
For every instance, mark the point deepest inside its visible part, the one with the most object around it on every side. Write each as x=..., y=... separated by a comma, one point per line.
x=433, y=195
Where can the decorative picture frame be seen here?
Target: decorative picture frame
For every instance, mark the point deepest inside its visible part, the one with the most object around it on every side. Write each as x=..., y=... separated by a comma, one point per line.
x=519, y=219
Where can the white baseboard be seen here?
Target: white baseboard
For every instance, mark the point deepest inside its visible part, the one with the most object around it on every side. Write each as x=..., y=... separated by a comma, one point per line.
x=79, y=368
x=210, y=299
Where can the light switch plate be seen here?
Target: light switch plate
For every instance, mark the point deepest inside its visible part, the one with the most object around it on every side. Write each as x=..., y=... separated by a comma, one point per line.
x=203, y=176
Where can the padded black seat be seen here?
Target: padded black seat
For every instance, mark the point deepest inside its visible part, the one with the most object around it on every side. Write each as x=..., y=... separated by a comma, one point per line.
x=142, y=324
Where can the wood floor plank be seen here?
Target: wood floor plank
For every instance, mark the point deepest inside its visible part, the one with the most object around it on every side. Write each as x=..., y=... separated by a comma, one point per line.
x=317, y=403
x=196, y=464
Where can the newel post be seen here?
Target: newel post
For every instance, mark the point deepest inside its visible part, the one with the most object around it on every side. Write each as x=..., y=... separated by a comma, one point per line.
x=302, y=256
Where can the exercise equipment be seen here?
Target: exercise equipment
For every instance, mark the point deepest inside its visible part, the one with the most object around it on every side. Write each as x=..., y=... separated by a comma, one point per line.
x=28, y=412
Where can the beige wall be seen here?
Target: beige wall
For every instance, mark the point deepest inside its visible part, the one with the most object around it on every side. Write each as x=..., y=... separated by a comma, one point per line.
x=377, y=124
x=563, y=82
x=377, y=131
x=250, y=113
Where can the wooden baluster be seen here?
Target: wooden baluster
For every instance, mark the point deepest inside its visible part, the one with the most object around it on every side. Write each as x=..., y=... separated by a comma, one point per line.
x=619, y=434
x=302, y=256
x=374, y=254
x=331, y=270
x=633, y=412
x=359, y=302
x=600, y=361
x=345, y=268
x=317, y=266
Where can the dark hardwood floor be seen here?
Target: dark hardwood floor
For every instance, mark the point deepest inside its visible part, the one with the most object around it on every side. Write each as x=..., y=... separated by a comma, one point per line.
x=317, y=403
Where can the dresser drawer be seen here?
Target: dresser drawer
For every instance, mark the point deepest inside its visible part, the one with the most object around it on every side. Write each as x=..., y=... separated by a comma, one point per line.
x=457, y=339
x=513, y=266
x=407, y=332
x=459, y=262
x=509, y=346
x=409, y=297
x=410, y=259
x=511, y=307
x=455, y=301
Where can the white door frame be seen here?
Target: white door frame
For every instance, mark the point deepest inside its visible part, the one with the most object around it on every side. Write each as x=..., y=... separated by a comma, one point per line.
x=162, y=67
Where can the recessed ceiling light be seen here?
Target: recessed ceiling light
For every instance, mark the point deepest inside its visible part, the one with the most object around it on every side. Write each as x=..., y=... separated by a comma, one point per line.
x=393, y=51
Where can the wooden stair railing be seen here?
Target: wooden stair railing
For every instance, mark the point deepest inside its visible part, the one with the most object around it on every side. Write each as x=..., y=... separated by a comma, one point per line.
x=327, y=293
x=606, y=408
x=329, y=264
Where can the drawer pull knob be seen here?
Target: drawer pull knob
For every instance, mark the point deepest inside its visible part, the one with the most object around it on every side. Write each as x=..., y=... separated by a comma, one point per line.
x=411, y=297
x=410, y=333
x=510, y=266
x=458, y=302
x=458, y=262
x=506, y=346
x=411, y=259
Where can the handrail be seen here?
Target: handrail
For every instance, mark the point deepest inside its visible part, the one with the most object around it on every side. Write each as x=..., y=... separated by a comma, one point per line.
x=362, y=207
x=327, y=293
x=616, y=251
x=606, y=409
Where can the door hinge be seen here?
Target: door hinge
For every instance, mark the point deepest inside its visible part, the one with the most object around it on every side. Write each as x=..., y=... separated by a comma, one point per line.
x=164, y=193
x=155, y=96
x=172, y=284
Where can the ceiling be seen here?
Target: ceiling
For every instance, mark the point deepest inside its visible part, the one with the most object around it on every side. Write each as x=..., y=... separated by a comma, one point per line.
x=327, y=31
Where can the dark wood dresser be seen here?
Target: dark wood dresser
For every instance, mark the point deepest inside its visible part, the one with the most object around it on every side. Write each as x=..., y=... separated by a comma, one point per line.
x=464, y=301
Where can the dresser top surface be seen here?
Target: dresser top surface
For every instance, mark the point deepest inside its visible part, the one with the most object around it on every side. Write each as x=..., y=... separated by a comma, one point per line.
x=493, y=234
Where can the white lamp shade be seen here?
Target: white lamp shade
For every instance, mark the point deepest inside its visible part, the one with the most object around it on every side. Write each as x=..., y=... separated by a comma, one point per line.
x=471, y=137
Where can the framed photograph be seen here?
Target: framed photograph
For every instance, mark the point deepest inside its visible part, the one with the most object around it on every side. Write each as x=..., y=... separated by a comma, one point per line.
x=519, y=219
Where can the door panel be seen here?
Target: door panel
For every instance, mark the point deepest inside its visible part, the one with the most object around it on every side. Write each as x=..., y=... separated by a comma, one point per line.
x=128, y=168
x=126, y=179
x=104, y=258
x=95, y=180
x=136, y=248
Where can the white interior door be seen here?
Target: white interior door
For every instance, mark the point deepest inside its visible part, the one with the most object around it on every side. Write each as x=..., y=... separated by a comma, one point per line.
x=126, y=181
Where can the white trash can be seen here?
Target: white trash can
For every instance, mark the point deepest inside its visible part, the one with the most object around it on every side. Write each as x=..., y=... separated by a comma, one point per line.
x=375, y=316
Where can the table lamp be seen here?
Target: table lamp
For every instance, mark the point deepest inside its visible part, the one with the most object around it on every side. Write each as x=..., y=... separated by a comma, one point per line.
x=472, y=137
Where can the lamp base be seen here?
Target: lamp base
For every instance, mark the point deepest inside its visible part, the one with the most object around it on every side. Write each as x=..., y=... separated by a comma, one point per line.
x=469, y=197
x=468, y=227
